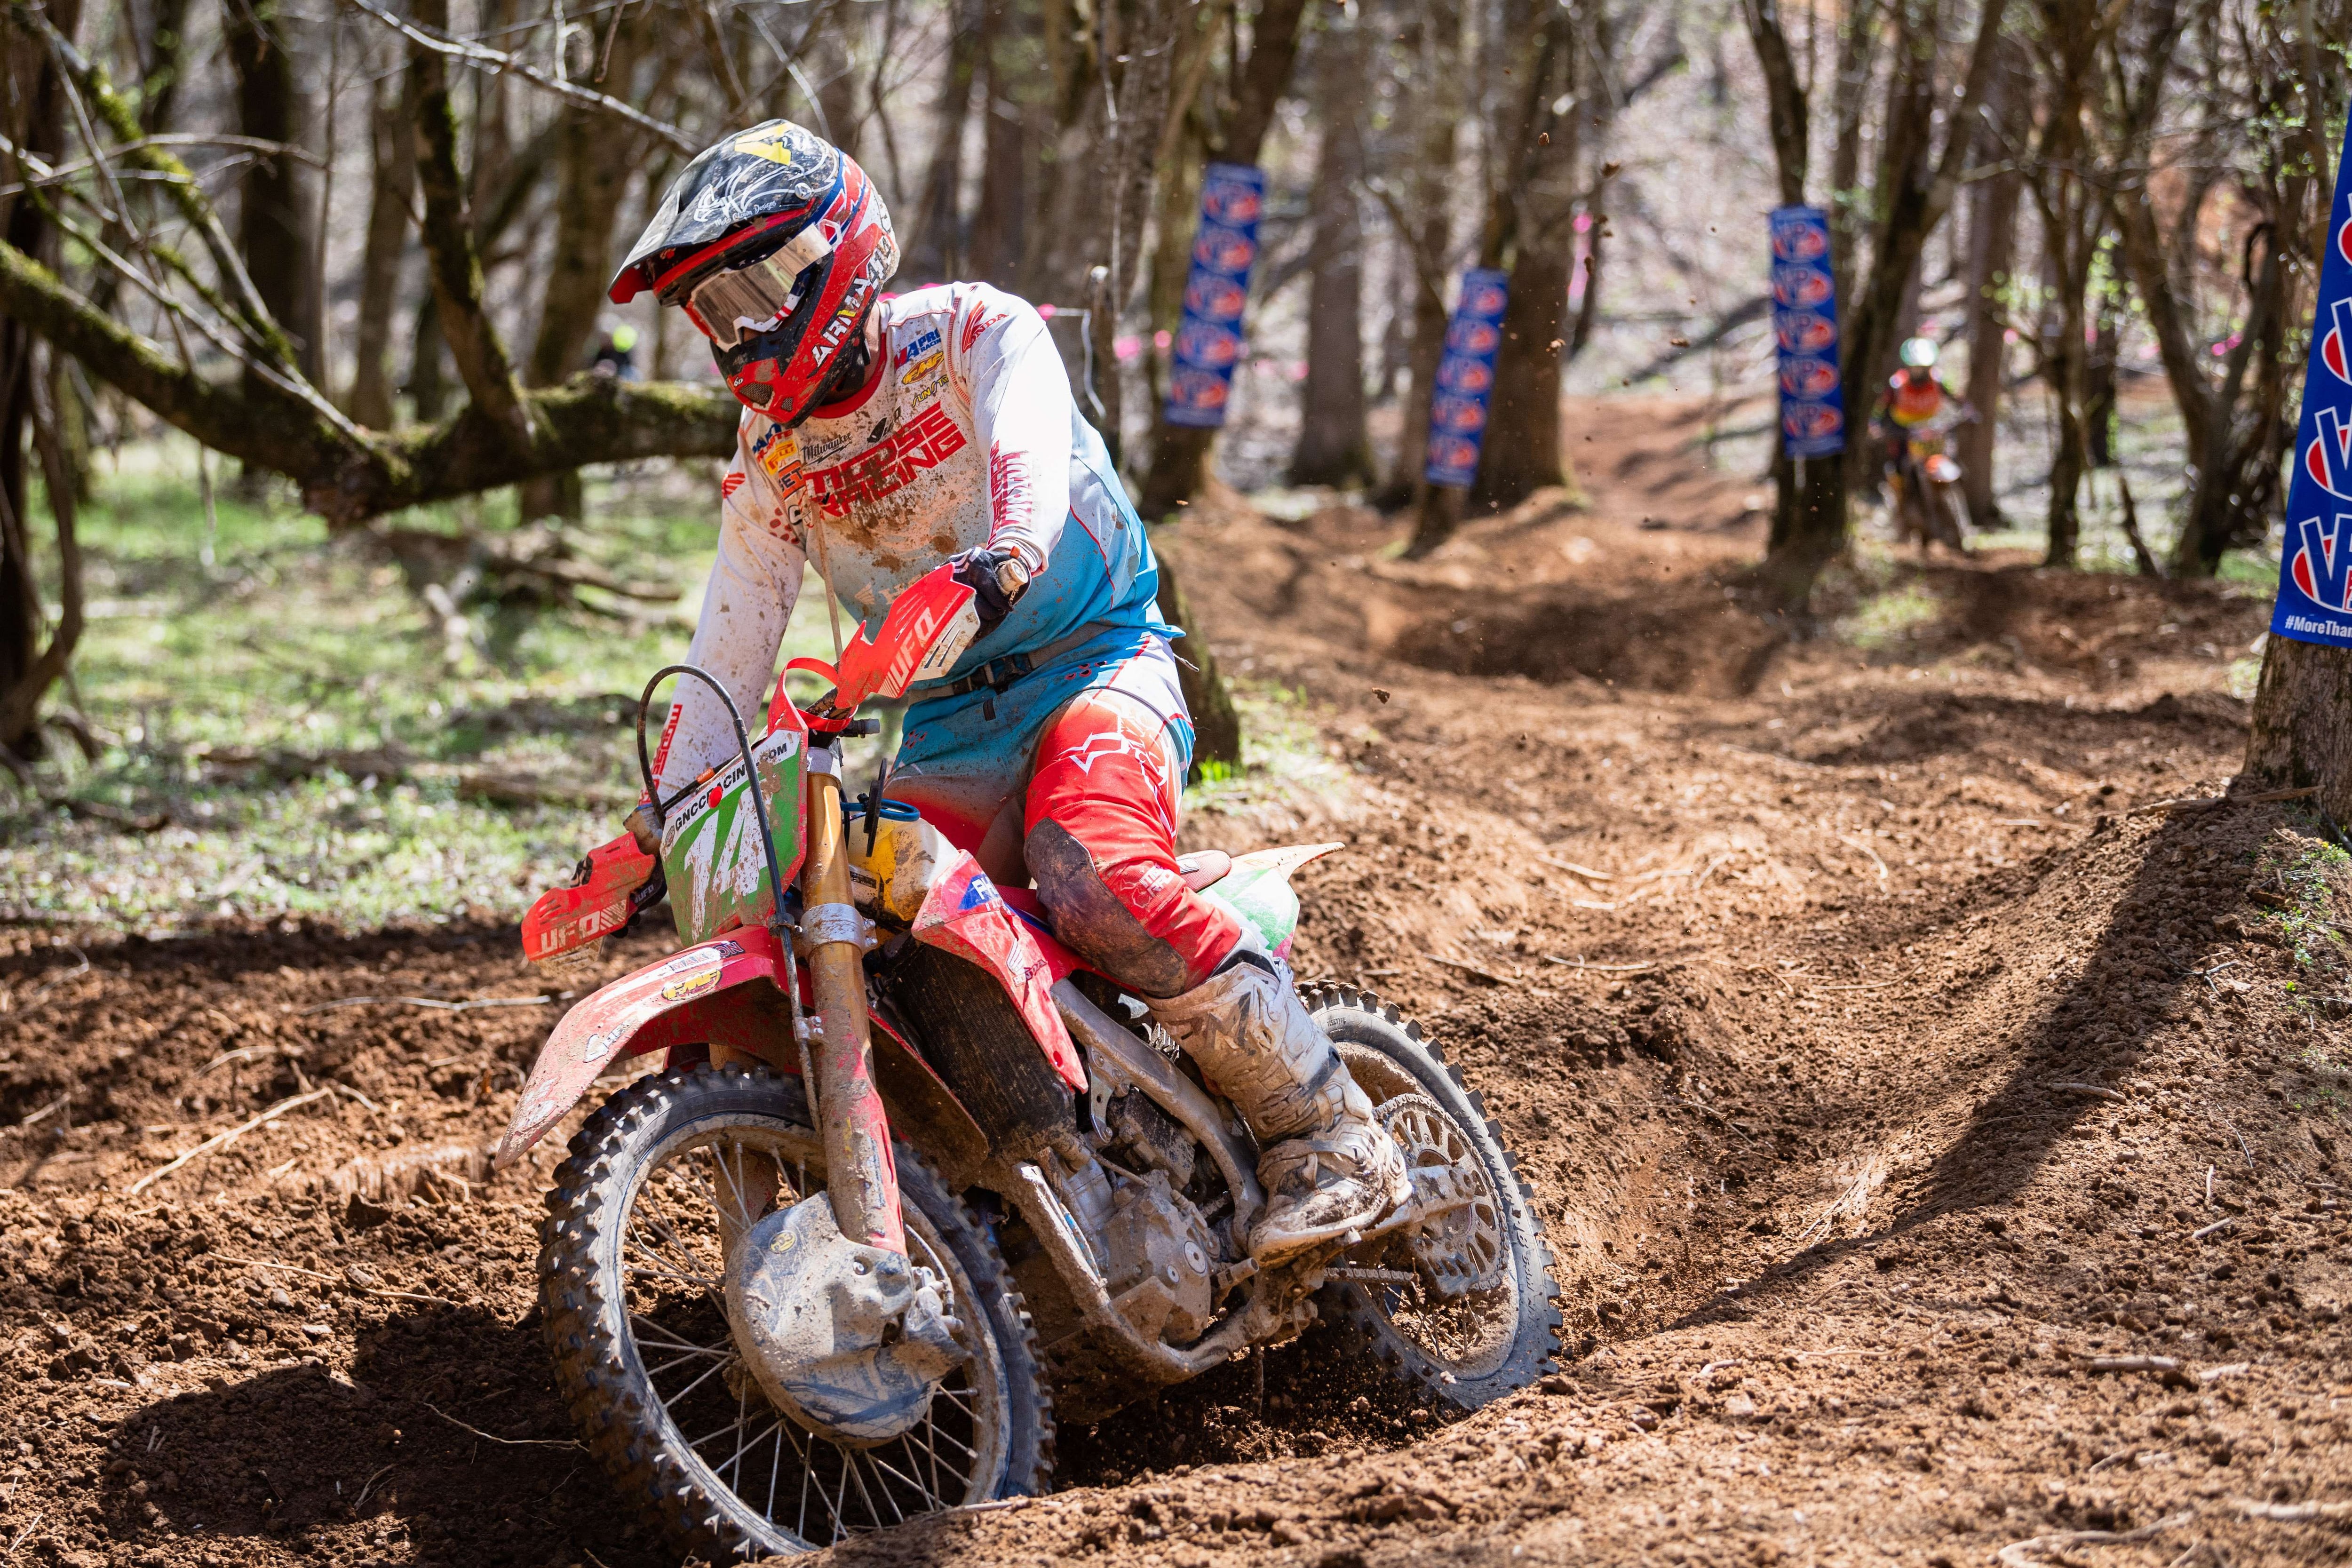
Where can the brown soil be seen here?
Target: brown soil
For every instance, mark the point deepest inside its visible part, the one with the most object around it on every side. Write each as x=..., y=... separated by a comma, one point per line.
x=1875, y=1067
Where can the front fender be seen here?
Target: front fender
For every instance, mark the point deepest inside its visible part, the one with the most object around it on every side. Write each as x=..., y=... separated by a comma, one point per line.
x=712, y=992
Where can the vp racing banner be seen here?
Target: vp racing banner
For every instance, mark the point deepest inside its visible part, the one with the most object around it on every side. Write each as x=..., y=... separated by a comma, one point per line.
x=1805, y=329
x=2314, y=594
x=1465, y=379
x=1209, y=339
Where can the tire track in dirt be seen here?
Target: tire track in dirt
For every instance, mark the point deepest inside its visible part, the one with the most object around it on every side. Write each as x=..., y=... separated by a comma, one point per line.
x=1776, y=994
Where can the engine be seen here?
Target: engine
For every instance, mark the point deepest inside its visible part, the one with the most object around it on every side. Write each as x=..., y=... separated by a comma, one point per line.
x=1159, y=1261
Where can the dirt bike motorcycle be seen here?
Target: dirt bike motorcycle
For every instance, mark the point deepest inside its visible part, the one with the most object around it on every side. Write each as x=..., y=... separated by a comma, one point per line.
x=1925, y=482
x=914, y=1181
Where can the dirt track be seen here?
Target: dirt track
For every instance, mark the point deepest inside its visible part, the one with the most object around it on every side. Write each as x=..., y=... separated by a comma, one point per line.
x=1872, y=1067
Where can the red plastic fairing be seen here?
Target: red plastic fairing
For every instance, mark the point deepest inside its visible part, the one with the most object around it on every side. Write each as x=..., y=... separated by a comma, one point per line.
x=928, y=626
x=1030, y=911
x=966, y=915
x=690, y=996
x=566, y=918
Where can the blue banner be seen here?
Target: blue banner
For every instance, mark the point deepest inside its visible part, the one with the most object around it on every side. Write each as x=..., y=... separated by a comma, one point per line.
x=1804, y=325
x=1209, y=339
x=1465, y=379
x=2314, y=596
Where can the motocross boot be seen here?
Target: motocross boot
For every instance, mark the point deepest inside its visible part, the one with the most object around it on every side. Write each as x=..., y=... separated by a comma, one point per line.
x=1328, y=1165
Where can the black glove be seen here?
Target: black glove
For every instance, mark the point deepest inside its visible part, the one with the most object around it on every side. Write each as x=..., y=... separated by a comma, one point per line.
x=997, y=580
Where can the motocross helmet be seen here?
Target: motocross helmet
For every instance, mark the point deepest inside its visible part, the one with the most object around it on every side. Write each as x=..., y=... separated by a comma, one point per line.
x=1918, y=354
x=776, y=246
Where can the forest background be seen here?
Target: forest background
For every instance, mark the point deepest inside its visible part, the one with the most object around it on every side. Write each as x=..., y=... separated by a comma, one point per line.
x=371, y=654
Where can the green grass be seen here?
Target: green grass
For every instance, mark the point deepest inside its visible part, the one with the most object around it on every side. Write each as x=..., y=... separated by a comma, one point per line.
x=292, y=642
x=2307, y=875
x=1889, y=616
x=1283, y=753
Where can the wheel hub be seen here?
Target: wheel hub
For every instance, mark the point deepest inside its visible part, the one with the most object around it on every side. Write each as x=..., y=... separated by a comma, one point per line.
x=849, y=1341
x=1458, y=1246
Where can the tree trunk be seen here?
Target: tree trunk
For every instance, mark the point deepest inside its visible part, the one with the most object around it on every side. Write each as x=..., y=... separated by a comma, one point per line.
x=394, y=172
x=1179, y=453
x=1521, y=454
x=161, y=39
x=593, y=162
x=1334, y=446
x=1216, y=726
x=935, y=248
x=449, y=250
x=1992, y=247
x=274, y=217
x=2065, y=368
x=998, y=232
x=836, y=78
x=2099, y=400
x=2302, y=731
x=33, y=113
x=1434, y=34
x=428, y=361
x=1801, y=493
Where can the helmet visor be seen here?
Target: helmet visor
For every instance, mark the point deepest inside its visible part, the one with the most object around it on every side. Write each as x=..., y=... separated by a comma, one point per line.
x=747, y=300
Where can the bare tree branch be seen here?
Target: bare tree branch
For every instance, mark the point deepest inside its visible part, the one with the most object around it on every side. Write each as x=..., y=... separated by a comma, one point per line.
x=348, y=478
x=506, y=64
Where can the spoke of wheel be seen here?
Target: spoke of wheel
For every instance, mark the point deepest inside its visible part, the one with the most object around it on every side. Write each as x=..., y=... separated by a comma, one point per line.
x=686, y=1258
x=748, y=1445
x=676, y=1361
x=841, y=1496
x=808, y=1471
x=736, y=1458
x=874, y=1458
x=775, y=1469
x=649, y=1271
x=646, y=1330
x=734, y=1426
x=947, y=1437
x=934, y=1489
x=690, y=1388
x=871, y=1511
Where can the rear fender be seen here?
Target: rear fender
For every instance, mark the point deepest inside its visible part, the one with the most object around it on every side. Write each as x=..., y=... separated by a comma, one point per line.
x=1258, y=891
x=726, y=992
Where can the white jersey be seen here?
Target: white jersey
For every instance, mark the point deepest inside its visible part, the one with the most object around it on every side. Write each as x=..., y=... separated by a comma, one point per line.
x=967, y=437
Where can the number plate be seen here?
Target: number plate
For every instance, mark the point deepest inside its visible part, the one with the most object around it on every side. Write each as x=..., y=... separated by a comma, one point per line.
x=710, y=848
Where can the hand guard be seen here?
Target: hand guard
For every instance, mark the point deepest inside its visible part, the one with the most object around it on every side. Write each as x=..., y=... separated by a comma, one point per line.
x=608, y=889
x=927, y=628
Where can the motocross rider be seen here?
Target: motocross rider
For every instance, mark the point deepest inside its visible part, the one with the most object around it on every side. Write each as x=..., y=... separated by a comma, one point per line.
x=1915, y=395
x=888, y=437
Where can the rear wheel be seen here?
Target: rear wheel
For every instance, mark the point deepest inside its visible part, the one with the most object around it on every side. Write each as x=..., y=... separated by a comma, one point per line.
x=632, y=1264
x=1467, y=1308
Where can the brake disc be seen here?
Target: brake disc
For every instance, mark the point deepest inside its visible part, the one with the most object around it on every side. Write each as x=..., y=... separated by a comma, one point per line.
x=1458, y=1247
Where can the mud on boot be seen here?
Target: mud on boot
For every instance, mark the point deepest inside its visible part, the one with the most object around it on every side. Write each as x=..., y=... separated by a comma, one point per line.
x=1328, y=1165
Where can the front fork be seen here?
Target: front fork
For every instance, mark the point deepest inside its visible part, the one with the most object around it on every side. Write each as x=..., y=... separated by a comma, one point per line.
x=861, y=1178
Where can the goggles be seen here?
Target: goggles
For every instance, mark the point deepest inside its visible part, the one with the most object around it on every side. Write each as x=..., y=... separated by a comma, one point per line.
x=757, y=296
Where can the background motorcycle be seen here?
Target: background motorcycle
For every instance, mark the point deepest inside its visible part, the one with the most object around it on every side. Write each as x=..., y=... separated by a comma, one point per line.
x=915, y=1180
x=1925, y=483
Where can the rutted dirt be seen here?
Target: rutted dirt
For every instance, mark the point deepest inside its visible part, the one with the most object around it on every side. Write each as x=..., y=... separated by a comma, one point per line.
x=1876, y=1068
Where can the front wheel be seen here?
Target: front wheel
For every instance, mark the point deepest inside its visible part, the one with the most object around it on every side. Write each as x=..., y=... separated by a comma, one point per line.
x=1468, y=1308
x=632, y=1264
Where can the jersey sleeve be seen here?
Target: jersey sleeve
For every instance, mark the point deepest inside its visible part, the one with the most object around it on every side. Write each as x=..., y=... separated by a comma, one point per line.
x=1021, y=413
x=745, y=607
